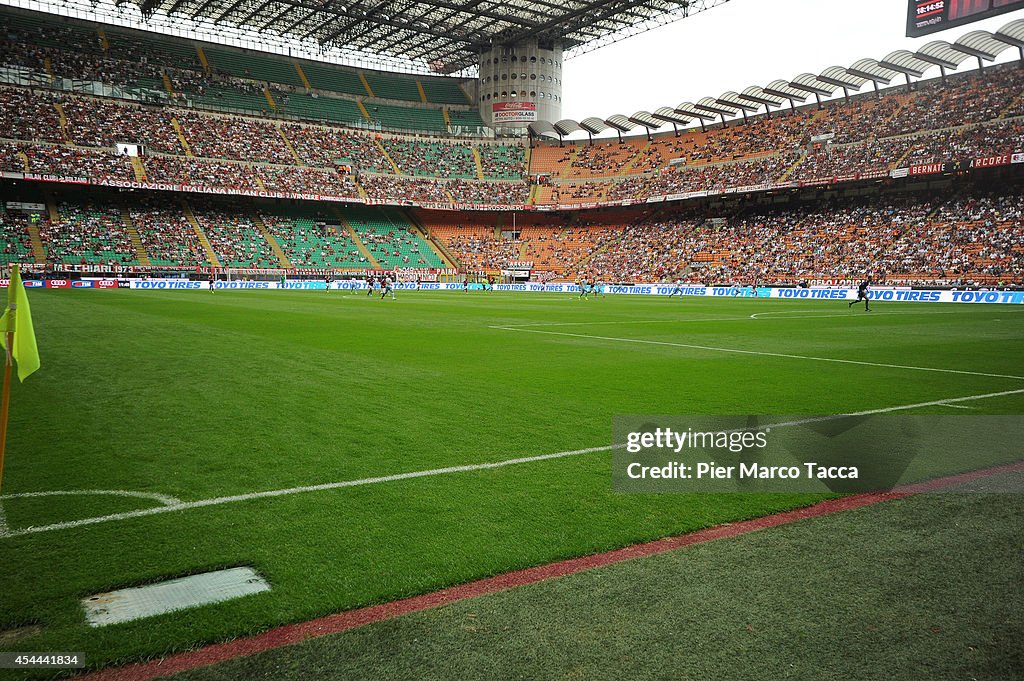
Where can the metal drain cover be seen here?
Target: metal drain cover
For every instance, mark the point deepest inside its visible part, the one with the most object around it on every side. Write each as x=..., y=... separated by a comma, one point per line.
x=125, y=605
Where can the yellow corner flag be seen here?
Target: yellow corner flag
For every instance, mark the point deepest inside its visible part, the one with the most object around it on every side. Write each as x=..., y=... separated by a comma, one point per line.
x=17, y=319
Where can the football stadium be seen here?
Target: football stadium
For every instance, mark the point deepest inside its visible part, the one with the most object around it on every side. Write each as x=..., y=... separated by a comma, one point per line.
x=334, y=350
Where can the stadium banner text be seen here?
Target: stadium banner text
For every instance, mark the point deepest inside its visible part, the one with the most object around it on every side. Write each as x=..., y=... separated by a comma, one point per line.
x=836, y=293
x=514, y=112
x=224, y=191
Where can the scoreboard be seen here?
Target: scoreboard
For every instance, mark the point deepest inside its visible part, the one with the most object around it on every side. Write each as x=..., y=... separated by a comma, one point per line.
x=931, y=16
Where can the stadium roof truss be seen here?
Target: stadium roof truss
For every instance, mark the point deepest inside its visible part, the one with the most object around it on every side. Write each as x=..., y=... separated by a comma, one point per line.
x=736, y=101
x=648, y=120
x=620, y=123
x=757, y=95
x=840, y=77
x=447, y=34
x=714, y=106
x=871, y=70
x=785, y=91
x=667, y=114
x=905, y=62
x=688, y=109
x=1013, y=34
x=810, y=83
x=980, y=44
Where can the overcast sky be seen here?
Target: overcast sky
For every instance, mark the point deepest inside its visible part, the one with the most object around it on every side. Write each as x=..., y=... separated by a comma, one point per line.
x=739, y=44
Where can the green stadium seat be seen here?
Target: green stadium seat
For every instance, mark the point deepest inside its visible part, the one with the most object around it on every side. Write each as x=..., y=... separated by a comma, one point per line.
x=333, y=78
x=386, y=234
x=320, y=108
x=248, y=64
x=393, y=86
x=86, y=234
x=218, y=97
x=312, y=240
x=407, y=117
x=431, y=159
x=503, y=162
x=15, y=245
x=445, y=91
x=161, y=49
x=467, y=120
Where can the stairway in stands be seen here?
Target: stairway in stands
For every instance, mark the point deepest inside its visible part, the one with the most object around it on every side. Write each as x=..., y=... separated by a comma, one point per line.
x=355, y=238
x=274, y=246
x=211, y=256
x=140, y=250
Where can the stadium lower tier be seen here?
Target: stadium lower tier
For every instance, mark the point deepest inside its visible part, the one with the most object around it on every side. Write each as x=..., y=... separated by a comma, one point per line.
x=949, y=231
x=151, y=230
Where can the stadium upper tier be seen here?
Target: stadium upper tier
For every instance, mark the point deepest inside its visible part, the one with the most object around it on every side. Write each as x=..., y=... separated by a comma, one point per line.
x=55, y=126
x=58, y=52
x=970, y=116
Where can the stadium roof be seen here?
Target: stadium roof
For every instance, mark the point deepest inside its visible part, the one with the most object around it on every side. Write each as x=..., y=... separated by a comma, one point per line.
x=981, y=45
x=447, y=34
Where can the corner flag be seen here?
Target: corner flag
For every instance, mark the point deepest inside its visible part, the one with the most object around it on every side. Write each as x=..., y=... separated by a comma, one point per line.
x=17, y=320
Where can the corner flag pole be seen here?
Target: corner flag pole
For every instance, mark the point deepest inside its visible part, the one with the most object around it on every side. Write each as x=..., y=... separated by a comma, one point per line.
x=19, y=345
x=5, y=401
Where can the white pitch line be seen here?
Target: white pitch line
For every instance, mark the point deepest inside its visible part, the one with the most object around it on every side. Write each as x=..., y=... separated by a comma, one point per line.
x=759, y=315
x=936, y=403
x=506, y=327
x=759, y=353
x=298, y=490
x=958, y=406
x=164, y=499
x=5, y=531
x=216, y=501
x=804, y=315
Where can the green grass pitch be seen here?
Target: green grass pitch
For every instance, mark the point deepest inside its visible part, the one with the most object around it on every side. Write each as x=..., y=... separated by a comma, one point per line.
x=201, y=396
